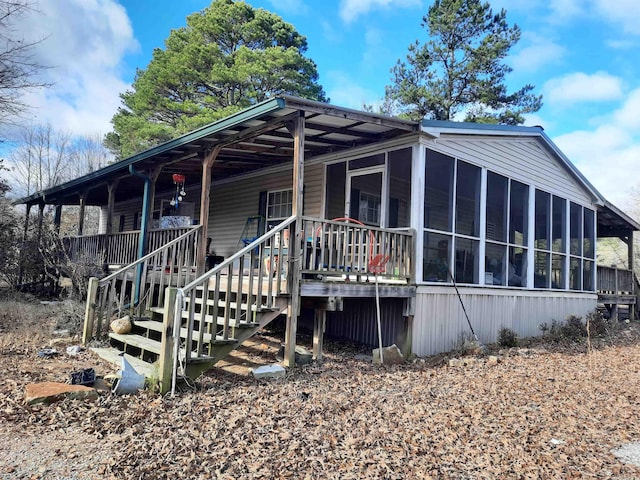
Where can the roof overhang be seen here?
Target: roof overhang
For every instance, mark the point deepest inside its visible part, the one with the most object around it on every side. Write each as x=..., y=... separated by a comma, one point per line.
x=251, y=139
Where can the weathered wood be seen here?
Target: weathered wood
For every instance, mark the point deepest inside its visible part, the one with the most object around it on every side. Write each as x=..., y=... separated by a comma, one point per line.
x=90, y=309
x=57, y=218
x=205, y=200
x=319, y=321
x=165, y=361
x=83, y=202
x=111, y=201
x=296, y=128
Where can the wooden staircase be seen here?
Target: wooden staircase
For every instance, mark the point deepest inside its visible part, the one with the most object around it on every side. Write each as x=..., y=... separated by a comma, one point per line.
x=200, y=319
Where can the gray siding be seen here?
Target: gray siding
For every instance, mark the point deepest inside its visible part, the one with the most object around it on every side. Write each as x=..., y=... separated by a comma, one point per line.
x=233, y=202
x=520, y=158
x=440, y=324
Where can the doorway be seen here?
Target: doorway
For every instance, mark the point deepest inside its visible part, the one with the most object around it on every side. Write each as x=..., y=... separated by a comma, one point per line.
x=366, y=196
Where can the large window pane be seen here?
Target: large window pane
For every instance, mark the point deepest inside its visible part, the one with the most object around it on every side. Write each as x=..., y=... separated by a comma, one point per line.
x=497, y=191
x=541, y=275
x=557, y=271
x=468, y=200
x=517, y=267
x=559, y=224
x=438, y=195
x=575, y=274
x=495, y=264
x=575, y=227
x=399, y=188
x=542, y=223
x=437, y=250
x=587, y=279
x=589, y=235
x=466, y=260
x=518, y=213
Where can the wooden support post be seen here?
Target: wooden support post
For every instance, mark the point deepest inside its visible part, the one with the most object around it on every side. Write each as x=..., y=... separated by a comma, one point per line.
x=296, y=128
x=25, y=233
x=90, y=310
x=83, y=200
x=634, y=291
x=616, y=293
x=207, y=163
x=57, y=218
x=165, y=362
x=319, y=322
x=111, y=188
x=40, y=220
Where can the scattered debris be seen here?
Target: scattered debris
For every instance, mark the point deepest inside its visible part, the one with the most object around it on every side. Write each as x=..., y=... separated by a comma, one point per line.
x=555, y=441
x=303, y=356
x=75, y=350
x=390, y=355
x=62, y=332
x=363, y=357
x=269, y=371
x=50, y=392
x=492, y=360
x=85, y=377
x=130, y=381
x=47, y=353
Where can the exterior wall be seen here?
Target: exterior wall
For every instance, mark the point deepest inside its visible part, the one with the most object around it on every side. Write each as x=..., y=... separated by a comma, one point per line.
x=234, y=201
x=439, y=323
x=520, y=158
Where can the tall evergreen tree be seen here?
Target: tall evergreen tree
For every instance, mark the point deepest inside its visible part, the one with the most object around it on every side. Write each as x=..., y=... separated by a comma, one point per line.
x=228, y=57
x=461, y=69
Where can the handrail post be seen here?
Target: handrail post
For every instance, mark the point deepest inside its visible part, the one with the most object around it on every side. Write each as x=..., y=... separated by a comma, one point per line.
x=165, y=362
x=90, y=310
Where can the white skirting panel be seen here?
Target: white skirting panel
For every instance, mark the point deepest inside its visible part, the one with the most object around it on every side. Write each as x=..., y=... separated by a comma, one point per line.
x=440, y=324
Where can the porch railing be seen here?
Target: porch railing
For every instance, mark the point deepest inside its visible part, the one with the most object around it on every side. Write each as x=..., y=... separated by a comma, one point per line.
x=141, y=285
x=235, y=290
x=118, y=248
x=615, y=281
x=343, y=247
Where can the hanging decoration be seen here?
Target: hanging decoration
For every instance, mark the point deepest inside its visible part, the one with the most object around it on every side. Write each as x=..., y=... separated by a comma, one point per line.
x=178, y=180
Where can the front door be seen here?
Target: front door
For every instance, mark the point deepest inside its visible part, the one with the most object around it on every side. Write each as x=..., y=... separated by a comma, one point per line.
x=366, y=197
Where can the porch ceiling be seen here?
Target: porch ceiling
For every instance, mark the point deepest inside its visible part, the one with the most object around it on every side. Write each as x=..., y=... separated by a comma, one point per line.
x=613, y=222
x=255, y=138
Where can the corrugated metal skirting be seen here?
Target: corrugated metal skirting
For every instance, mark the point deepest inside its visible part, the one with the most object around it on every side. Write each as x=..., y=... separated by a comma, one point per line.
x=440, y=325
x=357, y=322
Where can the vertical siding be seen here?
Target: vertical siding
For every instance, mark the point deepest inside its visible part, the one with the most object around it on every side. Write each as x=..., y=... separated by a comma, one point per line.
x=440, y=325
x=519, y=158
x=358, y=321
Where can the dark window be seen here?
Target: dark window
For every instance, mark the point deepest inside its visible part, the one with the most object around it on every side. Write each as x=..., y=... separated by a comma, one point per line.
x=542, y=220
x=589, y=235
x=497, y=192
x=575, y=227
x=517, y=267
x=121, y=223
x=437, y=251
x=558, y=227
x=518, y=213
x=438, y=191
x=468, y=200
x=466, y=260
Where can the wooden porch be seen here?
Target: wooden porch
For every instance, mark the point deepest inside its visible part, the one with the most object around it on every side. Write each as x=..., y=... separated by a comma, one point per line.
x=617, y=287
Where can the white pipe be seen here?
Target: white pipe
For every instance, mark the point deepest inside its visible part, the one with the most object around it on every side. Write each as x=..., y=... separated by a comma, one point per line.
x=379, y=326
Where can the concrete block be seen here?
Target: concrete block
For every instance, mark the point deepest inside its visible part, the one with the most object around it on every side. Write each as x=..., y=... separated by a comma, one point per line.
x=269, y=371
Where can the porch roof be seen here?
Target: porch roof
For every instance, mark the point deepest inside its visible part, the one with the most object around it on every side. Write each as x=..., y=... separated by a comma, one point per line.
x=254, y=138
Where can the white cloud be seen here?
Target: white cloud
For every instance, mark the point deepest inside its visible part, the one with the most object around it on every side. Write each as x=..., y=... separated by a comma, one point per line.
x=347, y=92
x=84, y=42
x=352, y=9
x=622, y=12
x=540, y=51
x=627, y=116
x=582, y=87
x=295, y=7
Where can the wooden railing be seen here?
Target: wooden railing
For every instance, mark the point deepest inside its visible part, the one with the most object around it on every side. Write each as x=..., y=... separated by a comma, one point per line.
x=343, y=247
x=615, y=281
x=141, y=285
x=118, y=248
x=234, y=291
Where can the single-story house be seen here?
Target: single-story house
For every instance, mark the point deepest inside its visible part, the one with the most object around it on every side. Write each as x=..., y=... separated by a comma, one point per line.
x=312, y=208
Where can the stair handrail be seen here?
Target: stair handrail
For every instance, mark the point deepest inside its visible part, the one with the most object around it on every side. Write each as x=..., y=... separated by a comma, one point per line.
x=141, y=260
x=240, y=253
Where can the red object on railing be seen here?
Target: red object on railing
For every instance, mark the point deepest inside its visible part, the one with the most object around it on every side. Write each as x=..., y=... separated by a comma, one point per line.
x=178, y=178
x=378, y=263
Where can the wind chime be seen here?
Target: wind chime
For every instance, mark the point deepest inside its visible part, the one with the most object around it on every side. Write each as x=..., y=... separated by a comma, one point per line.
x=178, y=180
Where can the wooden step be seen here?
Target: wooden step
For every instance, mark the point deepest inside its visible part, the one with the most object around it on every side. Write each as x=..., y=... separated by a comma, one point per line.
x=113, y=355
x=138, y=341
x=157, y=327
x=234, y=305
x=220, y=320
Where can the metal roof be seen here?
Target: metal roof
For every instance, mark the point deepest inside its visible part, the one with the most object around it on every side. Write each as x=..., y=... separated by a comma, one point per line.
x=254, y=138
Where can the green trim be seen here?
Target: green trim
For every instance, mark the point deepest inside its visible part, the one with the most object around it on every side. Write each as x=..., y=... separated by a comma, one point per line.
x=256, y=111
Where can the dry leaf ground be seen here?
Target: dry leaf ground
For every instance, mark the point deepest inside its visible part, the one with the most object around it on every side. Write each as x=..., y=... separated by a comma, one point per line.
x=555, y=411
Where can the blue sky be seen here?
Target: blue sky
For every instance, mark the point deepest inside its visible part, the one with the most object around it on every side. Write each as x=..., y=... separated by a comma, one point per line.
x=582, y=55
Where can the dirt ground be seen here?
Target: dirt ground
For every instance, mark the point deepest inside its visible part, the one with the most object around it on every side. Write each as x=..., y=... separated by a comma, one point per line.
x=545, y=411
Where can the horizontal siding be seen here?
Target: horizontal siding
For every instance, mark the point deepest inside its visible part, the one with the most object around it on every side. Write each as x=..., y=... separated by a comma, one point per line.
x=440, y=325
x=233, y=202
x=520, y=158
